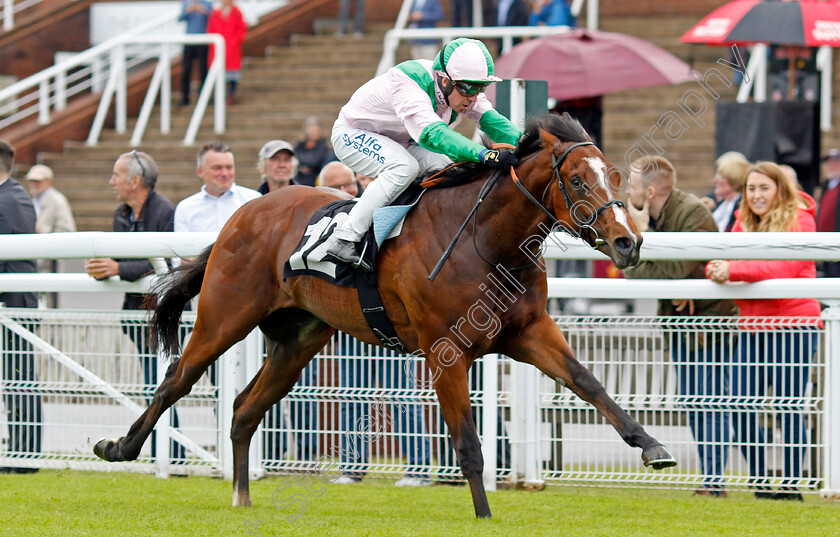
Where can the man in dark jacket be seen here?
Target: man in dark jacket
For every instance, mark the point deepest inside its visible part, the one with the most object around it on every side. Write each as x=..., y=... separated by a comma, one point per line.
x=23, y=412
x=657, y=205
x=142, y=209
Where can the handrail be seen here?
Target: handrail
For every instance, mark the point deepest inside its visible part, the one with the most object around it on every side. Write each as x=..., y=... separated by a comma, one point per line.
x=656, y=246
x=161, y=82
x=37, y=87
x=10, y=8
x=506, y=33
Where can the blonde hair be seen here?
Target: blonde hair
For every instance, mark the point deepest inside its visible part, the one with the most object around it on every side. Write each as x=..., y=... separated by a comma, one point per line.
x=734, y=171
x=783, y=211
x=657, y=171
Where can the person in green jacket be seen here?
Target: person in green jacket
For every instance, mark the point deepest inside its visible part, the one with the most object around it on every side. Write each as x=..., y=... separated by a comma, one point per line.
x=656, y=204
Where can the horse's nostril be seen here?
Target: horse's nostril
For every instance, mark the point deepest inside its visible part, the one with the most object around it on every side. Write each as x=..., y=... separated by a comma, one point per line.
x=623, y=245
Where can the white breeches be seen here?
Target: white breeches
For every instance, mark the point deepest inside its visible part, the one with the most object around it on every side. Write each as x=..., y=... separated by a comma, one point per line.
x=393, y=166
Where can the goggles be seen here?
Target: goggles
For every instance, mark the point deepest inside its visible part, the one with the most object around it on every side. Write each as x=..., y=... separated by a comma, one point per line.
x=468, y=89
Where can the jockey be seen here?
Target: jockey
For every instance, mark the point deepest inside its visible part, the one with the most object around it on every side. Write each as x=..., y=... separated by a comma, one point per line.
x=401, y=123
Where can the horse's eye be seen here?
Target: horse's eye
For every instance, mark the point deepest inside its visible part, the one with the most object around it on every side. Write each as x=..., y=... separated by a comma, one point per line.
x=576, y=182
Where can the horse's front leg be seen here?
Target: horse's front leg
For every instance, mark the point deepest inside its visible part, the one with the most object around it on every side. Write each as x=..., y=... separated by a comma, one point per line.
x=543, y=345
x=453, y=394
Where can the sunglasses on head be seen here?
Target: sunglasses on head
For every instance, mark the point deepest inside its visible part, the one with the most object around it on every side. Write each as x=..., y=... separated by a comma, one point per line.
x=142, y=168
x=467, y=89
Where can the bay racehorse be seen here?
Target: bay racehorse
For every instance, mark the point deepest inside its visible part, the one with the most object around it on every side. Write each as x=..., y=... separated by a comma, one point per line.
x=565, y=182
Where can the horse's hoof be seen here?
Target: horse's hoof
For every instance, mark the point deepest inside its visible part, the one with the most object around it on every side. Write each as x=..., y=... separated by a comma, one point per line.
x=108, y=449
x=658, y=457
x=241, y=500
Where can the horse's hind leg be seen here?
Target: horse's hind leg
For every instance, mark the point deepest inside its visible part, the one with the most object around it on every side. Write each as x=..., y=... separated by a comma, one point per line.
x=543, y=345
x=217, y=328
x=293, y=337
x=454, y=397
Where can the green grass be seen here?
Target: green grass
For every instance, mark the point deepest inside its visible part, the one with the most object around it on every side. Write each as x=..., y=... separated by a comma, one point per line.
x=69, y=504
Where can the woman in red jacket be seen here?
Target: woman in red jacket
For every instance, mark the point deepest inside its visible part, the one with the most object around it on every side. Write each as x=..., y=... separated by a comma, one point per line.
x=774, y=354
x=228, y=22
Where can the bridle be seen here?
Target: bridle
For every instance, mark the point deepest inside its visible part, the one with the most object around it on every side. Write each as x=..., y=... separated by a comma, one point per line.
x=556, y=163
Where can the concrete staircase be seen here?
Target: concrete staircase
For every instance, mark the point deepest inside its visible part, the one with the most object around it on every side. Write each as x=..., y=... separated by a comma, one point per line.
x=314, y=76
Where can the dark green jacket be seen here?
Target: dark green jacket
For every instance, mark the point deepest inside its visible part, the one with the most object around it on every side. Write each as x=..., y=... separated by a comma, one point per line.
x=682, y=212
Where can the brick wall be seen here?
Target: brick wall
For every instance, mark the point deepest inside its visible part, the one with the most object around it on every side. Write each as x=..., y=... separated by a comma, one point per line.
x=658, y=7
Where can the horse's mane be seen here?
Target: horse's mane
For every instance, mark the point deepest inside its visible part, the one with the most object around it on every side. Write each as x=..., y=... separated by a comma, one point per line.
x=563, y=126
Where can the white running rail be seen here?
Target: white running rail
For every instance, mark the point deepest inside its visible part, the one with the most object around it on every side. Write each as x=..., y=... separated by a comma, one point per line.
x=10, y=8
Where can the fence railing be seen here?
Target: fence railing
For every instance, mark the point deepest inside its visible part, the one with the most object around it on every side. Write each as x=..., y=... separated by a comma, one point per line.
x=10, y=8
x=532, y=430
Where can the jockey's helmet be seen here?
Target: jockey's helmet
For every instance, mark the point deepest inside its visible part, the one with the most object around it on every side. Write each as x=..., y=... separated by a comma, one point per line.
x=466, y=61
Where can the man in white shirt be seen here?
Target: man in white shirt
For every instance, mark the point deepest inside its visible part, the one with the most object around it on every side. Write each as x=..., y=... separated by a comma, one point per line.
x=219, y=198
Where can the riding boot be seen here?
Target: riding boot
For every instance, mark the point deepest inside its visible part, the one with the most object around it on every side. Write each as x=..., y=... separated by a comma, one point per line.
x=347, y=252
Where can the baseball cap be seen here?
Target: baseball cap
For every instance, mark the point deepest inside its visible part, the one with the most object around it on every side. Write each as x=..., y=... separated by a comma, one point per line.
x=39, y=172
x=832, y=153
x=273, y=146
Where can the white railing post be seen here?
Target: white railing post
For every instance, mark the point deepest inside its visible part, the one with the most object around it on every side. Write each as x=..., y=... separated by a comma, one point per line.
x=44, y=102
x=531, y=445
x=166, y=89
x=231, y=381
x=121, y=89
x=60, y=91
x=8, y=15
x=825, y=60
x=162, y=427
x=490, y=416
x=253, y=359
x=831, y=412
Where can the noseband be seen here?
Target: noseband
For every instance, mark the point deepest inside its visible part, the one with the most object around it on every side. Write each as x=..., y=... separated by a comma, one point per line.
x=556, y=163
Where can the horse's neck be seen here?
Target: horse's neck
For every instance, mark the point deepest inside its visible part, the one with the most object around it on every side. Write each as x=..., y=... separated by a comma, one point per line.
x=507, y=222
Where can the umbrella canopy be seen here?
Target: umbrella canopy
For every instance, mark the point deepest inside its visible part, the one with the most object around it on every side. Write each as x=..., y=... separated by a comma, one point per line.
x=586, y=63
x=808, y=23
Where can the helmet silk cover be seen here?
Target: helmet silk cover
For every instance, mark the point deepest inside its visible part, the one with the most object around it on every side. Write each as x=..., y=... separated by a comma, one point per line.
x=466, y=60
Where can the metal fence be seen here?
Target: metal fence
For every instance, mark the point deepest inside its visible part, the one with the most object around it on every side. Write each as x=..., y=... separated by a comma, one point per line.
x=92, y=374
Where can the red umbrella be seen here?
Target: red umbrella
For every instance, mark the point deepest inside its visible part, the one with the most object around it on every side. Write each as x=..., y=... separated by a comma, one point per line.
x=586, y=63
x=808, y=23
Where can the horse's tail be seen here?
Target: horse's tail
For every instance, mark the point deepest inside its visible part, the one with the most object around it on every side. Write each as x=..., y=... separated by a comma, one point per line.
x=173, y=295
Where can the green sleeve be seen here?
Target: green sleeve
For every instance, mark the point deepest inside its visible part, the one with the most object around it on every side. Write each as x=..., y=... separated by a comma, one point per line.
x=499, y=128
x=439, y=138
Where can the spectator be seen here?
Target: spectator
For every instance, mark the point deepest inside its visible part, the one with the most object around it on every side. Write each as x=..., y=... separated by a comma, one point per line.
x=23, y=412
x=425, y=14
x=551, y=13
x=729, y=183
x=220, y=196
x=462, y=13
x=767, y=356
x=228, y=22
x=827, y=216
x=339, y=176
x=54, y=215
x=363, y=180
x=311, y=152
x=701, y=360
x=344, y=18
x=511, y=13
x=709, y=199
x=360, y=371
x=141, y=209
x=196, y=14
x=278, y=166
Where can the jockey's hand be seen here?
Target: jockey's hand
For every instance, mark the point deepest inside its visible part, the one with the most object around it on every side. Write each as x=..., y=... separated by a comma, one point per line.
x=502, y=160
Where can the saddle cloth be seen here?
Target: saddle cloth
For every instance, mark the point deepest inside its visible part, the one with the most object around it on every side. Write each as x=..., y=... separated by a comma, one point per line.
x=308, y=257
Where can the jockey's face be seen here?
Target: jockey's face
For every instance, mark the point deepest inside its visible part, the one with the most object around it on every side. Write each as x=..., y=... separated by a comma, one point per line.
x=460, y=102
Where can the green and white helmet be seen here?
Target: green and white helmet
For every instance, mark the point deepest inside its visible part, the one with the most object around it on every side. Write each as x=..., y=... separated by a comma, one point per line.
x=466, y=59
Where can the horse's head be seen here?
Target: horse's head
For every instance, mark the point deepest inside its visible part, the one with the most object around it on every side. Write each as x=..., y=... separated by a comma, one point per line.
x=581, y=187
